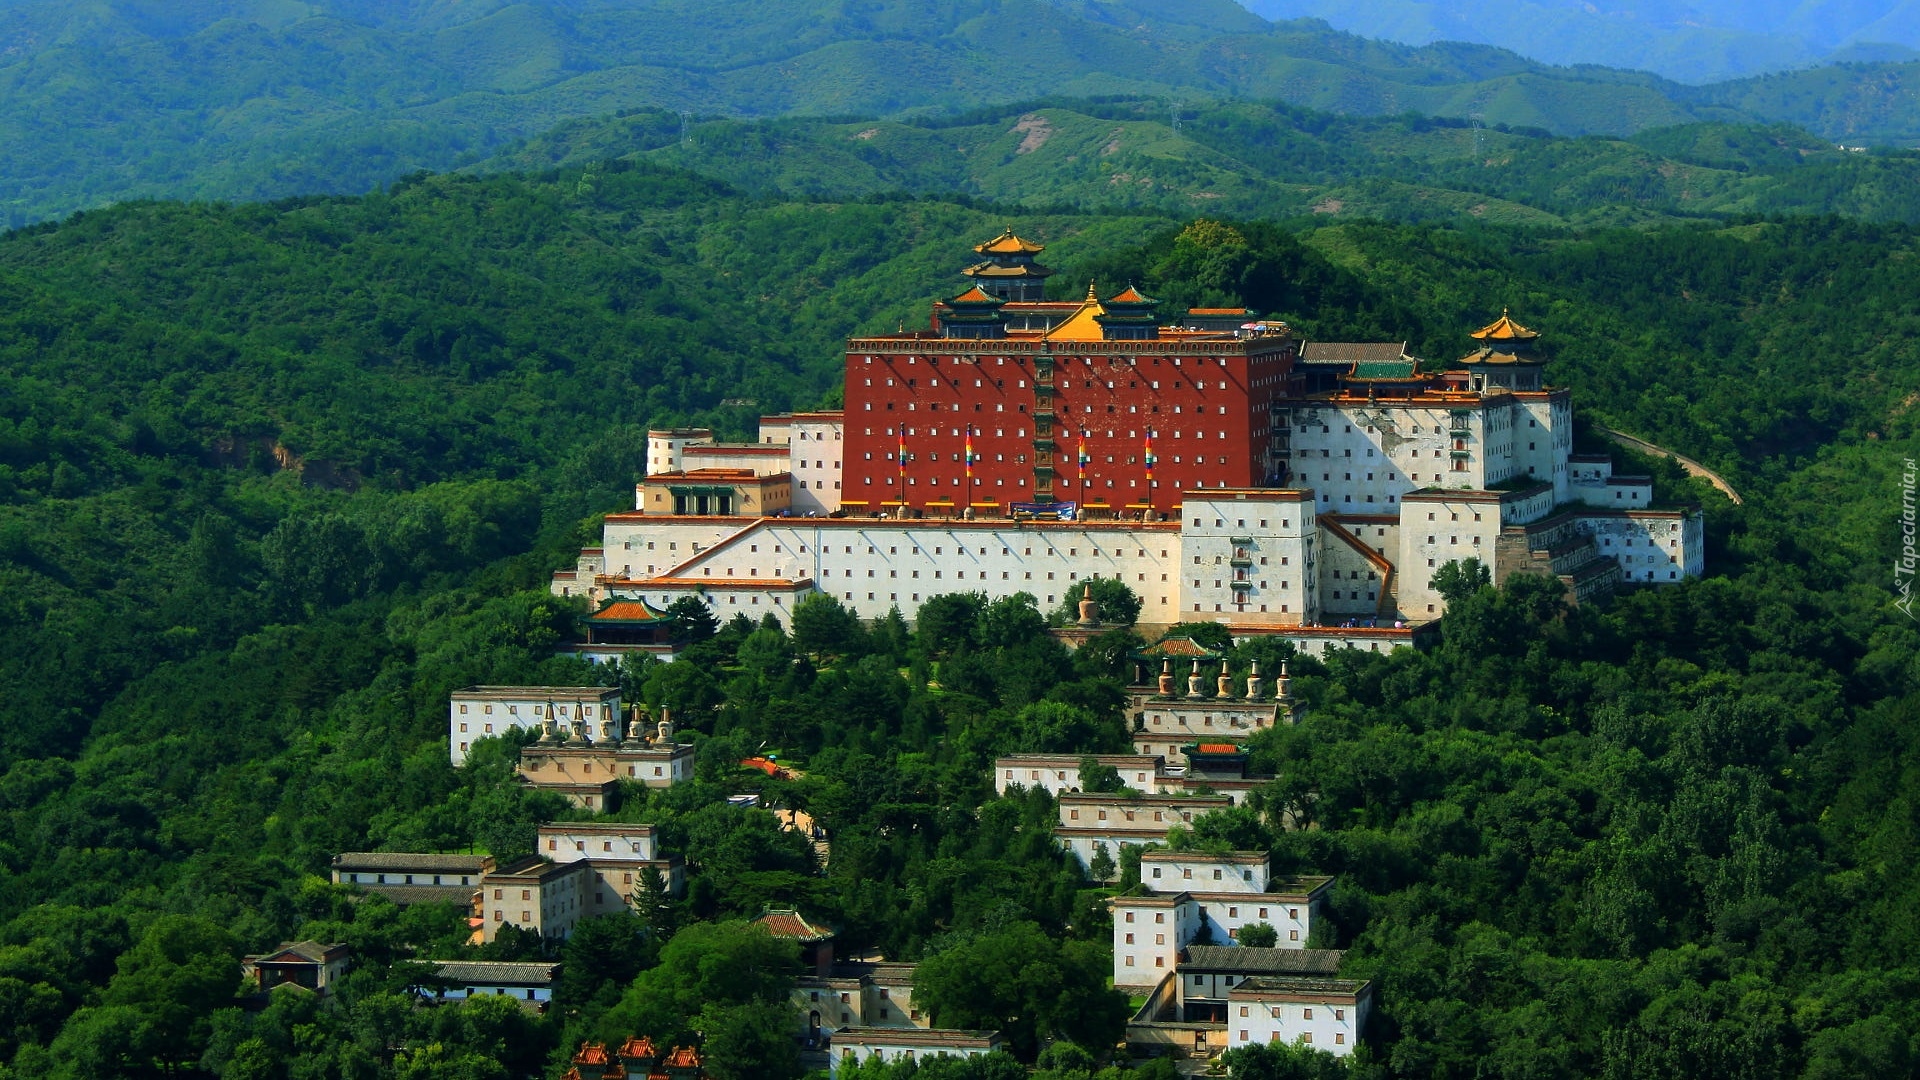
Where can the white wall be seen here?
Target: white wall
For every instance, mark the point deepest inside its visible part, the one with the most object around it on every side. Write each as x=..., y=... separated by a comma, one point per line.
x=1165, y=870
x=1290, y=917
x=665, y=448
x=1278, y=551
x=472, y=717
x=1148, y=934
x=1652, y=547
x=818, y=449
x=755, y=458
x=874, y=565
x=845, y=1052
x=1436, y=530
x=563, y=845
x=1333, y=1026
x=636, y=547
x=1057, y=772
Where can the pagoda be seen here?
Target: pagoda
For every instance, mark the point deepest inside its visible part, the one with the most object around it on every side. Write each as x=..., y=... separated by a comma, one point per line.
x=1009, y=270
x=974, y=314
x=1505, y=358
x=1129, y=317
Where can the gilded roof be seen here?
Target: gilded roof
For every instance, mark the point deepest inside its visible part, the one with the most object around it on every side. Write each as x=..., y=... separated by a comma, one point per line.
x=991, y=270
x=1497, y=356
x=1008, y=244
x=1082, y=325
x=1504, y=329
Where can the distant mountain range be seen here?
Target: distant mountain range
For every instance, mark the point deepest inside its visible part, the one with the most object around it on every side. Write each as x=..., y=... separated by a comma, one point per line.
x=110, y=100
x=1696, y=42
x=1248, y=160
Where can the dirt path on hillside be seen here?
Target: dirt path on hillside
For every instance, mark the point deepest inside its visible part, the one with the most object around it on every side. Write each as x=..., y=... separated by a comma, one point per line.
x=1693, y=467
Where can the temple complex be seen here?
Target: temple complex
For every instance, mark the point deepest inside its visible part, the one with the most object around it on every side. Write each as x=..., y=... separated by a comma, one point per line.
x=1220, y=466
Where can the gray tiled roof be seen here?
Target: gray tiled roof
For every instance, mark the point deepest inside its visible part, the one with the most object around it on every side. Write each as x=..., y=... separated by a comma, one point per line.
x=1240, y=960
x=1351, y=352
x=406, y=860
x=423, y=894
x=498, y=972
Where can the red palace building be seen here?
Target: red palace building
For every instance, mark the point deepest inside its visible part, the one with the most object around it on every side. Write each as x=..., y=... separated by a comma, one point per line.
x=1008, y=399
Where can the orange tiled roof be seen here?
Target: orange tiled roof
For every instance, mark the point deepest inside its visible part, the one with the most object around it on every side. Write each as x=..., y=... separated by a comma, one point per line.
x=683, y=1057
x=1218, y=748
x=626, y=611
x=1132, y=296
x=1504, y=329
x=638, y=1047
x=975, y=295
x=1179, y=646
x=591, y=1054
x=1008, y=244
x=790, y=924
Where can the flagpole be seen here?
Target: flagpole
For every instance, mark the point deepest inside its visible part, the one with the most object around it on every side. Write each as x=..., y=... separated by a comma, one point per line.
x=967, y=452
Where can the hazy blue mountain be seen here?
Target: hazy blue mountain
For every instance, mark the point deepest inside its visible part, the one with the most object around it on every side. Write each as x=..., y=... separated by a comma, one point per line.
x=1696, y=42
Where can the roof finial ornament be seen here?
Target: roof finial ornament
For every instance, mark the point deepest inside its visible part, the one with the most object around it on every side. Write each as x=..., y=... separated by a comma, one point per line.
x=1091, y=295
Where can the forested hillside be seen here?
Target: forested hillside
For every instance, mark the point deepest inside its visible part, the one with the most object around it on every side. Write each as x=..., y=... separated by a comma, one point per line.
x=275, y=478
x=1247, y=159
x=249, y=99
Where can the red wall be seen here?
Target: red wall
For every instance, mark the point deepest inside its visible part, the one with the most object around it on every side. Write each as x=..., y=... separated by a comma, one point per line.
x=935, y=398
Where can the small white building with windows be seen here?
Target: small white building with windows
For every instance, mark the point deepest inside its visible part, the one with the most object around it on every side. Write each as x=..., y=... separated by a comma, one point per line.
x=480, y=712
x=1326, y=1014
x=535, y=895
x=1199, y=899
x=856, y=1046
x=621, y=854
x=1149, y=930
x=1060, y=773
x=1090, y=823
x=528, y=982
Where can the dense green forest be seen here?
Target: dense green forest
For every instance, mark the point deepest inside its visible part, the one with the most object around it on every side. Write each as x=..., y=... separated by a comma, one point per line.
x=275, y=478
x=1247, y=159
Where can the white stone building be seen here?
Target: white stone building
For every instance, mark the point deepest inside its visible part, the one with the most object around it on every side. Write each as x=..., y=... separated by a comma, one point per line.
x=621, y=854
x=522, y=980
x=852, y=1046
x=538, y=896
x=1385, y=470
x=1090, y=823
x=478, y=712
x=1326, y=1014
x=1060, y=773
x=1214, y=898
